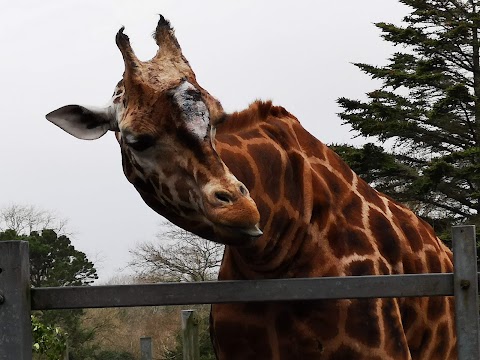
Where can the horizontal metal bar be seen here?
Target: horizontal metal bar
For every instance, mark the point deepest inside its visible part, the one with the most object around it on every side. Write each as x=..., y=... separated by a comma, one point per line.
x=242, y=291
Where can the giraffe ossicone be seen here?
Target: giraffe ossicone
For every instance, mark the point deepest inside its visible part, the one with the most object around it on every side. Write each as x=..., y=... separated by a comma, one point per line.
x=226, y=176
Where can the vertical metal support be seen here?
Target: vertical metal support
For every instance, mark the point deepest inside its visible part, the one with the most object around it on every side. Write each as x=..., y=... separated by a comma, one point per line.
x=15, y=323
x=191, y=350
x=466, y=292
x=66, y=355
x=146, y=348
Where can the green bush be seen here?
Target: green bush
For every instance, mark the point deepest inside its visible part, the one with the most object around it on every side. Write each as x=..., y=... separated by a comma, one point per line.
x=48, y=341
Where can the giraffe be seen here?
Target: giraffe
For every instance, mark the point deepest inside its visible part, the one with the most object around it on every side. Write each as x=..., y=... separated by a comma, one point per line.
x=285, y=206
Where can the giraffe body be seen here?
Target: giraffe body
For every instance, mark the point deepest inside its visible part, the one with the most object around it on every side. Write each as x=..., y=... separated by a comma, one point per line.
x=226, y=176
x=331, y=224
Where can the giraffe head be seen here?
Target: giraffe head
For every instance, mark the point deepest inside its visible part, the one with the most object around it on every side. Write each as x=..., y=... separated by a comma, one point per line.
x=165, y=125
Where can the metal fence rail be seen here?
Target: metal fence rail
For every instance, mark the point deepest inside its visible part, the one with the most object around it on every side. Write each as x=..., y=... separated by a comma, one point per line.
x=215, y=292
x=15, y=340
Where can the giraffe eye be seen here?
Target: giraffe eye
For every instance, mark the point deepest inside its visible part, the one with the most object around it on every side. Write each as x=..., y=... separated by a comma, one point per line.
x=140, y=142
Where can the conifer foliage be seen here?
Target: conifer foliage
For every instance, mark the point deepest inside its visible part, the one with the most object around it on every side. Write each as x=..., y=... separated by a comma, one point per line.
x=428, y=107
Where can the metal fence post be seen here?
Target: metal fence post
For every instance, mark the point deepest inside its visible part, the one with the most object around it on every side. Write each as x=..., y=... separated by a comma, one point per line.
x=466, y=292
x=146, y=348
x=15, y=323
x=66, y=355
x=191, y=350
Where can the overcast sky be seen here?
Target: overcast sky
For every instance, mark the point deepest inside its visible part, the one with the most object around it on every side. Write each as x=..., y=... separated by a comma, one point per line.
x=56, y=52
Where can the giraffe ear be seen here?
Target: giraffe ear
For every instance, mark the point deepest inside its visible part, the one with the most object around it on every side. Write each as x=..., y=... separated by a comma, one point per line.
x=84, y=123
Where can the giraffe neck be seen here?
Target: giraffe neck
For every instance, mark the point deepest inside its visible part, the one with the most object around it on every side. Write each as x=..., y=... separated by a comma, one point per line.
x=256, y=144
x=319, y=218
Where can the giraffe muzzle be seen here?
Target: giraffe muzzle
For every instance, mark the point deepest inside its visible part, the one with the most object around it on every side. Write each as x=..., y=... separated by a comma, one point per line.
x=231, y=209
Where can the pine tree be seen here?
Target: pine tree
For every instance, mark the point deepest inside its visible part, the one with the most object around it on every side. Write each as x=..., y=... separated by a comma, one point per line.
x=428, y=109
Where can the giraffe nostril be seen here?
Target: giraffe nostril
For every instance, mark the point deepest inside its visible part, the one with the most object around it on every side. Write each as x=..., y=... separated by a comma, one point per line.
x=223, y=197
x=243, y=190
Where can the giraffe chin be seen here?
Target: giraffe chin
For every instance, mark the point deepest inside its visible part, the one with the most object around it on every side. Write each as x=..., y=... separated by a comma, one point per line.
x=237, y=236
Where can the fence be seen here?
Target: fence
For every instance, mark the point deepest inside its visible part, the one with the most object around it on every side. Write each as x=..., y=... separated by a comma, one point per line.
x=191, y=349
x=17, y=299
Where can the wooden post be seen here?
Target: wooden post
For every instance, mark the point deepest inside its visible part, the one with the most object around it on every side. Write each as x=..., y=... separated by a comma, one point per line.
x=191, y=350
x=466, y=292
x=15, y=323
x=146, y=348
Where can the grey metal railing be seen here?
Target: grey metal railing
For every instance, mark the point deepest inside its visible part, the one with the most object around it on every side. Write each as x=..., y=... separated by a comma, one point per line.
x=17, y=300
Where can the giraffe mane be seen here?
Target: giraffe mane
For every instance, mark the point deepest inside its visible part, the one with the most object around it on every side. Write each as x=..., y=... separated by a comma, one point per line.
x=259, y=111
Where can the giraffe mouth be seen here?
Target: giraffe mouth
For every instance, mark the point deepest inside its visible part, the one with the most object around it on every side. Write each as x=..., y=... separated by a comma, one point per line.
x=252, y=231
x=231, y=235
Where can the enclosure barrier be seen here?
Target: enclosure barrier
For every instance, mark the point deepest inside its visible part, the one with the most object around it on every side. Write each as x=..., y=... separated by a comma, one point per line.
x=191, y=350
x=146, y=348
x=17, y=299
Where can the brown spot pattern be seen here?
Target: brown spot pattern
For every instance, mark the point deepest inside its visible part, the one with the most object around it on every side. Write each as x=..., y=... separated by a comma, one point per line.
x=387, y=240
x=279, y=134
x=323, y=317
x=336, y=186
x=338, y=164
x=419, y=342
x=394, y=334
x=363, y=322
x=433, y=262
x=240, y=167
x=436, y=308
x=442, y=339
x=370, y=195
x=383, y=268
x=360, y=267
x=269, y=165
x=410, y=231
x=409, y=314
x=265, y=211
x=345, y=242
x=231, y=140
x=352, y=211
x=294, y=172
